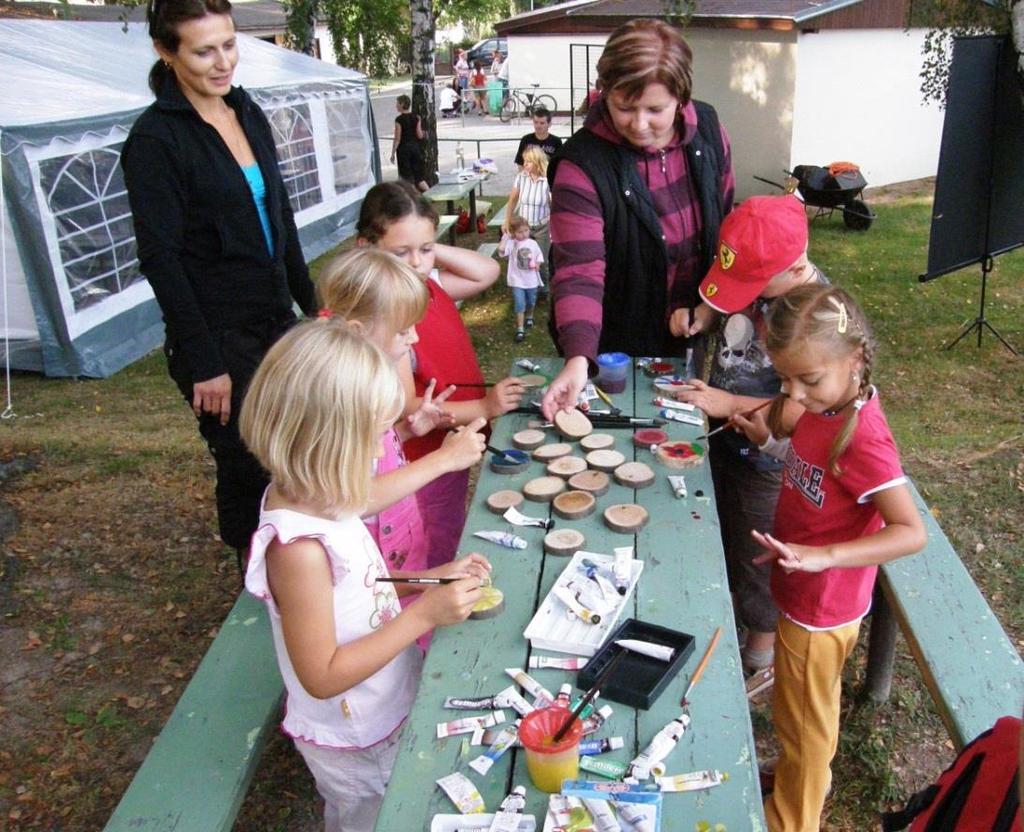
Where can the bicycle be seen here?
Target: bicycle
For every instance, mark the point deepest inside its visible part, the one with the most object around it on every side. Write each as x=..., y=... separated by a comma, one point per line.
x=522, y=103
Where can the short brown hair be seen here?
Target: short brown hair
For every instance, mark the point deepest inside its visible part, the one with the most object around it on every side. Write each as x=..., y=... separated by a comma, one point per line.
x=643, y=52
x=388, y=203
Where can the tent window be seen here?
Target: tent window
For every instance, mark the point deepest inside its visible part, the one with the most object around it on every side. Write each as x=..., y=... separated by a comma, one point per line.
x=350, y=150
x=95, y=237
x=296, y=153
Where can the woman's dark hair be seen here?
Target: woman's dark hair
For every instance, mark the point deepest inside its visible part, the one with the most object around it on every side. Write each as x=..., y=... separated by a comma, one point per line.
x=404, y=102
x=388, y=203
x=164, y=17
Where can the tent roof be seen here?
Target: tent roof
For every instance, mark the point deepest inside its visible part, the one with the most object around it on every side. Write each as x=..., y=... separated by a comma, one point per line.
x=62, y=70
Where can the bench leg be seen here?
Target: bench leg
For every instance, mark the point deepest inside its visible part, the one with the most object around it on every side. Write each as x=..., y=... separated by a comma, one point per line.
x=881, y=650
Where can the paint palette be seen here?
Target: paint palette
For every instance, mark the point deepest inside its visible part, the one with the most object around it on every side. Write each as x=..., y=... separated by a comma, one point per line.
x=554, y=627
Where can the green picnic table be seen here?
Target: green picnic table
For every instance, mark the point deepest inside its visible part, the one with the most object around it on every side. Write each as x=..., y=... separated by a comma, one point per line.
x=451, y=192
x=683, y=586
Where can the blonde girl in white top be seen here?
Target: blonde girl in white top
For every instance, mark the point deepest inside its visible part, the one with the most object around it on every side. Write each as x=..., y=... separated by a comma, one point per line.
x=531, y=200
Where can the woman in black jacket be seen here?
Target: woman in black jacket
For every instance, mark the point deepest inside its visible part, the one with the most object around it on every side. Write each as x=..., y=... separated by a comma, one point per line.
x=215, y=233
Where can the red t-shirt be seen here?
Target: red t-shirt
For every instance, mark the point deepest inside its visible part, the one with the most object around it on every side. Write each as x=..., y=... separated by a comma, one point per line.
x=444, y=352
x=817, y=509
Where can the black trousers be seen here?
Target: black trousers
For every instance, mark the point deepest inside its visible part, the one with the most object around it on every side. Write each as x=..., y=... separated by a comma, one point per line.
x=241, y=480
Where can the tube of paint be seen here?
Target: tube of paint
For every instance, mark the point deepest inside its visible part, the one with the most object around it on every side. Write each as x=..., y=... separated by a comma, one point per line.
x=672, y=404
x=503, y=742
x=612, y=769
x=588, y=594
x=487, y=703
x=633, y=815
x=489, y=737
x=511, y=698
x=528, y=365
x=558, y=662
x=622, y=568
x=646, y=648
x=565, y=595
x=695, y=781
x=469, y=724
x=561, y=810
x=641, y=767
x=564, y=696
x=600, y=811
x=594, y=722
x=589, y=748
x=517, y=518
x=462, y=793
x=678, y=484
x=507, y=818
x=597, y=574
x=506, y=539
x=529, y=684
x=682, y=416
x=588, y=709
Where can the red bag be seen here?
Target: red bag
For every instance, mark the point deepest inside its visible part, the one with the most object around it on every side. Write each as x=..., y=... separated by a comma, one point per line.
x=977, y=793
x=462, y=223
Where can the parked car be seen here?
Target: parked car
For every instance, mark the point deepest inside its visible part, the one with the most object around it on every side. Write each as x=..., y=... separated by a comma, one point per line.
x=484, y=51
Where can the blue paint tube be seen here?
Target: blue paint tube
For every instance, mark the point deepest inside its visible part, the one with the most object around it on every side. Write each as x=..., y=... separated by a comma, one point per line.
x=590, y=748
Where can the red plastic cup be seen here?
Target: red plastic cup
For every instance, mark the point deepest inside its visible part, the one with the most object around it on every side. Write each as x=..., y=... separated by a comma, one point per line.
x=549, y=762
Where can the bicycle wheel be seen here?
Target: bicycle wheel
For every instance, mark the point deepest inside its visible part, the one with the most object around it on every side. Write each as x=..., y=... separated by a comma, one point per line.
x=510, y=109
x=546, y=101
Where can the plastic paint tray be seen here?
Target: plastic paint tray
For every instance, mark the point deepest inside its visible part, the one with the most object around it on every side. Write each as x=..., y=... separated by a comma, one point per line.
x=553, y=627
x=637, y=680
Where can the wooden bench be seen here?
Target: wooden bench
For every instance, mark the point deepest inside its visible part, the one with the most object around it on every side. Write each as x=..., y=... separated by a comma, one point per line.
x=499, y=217
x=970, y=666
x=199, y=768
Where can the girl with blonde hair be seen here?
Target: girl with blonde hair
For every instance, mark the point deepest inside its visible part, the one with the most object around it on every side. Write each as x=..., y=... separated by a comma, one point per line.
x=314, y=416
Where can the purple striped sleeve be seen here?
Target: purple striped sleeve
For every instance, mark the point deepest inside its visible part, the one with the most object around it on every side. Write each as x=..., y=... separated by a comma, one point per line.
x=728, y=178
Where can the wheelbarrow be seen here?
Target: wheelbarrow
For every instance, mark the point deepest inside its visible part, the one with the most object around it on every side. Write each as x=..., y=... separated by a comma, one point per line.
x=838, y=186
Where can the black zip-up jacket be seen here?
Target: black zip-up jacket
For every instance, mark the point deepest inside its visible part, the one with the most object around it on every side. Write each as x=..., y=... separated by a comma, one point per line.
x=200, y=242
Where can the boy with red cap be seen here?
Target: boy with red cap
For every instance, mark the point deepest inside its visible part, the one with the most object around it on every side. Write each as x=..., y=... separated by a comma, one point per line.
x=762, y=254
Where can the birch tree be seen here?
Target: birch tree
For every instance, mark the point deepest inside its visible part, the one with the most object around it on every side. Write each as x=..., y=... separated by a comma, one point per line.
x=421, y=14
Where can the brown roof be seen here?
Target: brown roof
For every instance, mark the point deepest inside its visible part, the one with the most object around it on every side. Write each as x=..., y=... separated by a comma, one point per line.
x=258, y=17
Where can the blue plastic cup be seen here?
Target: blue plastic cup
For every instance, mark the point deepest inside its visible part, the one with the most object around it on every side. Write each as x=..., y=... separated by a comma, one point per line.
x=612, y=368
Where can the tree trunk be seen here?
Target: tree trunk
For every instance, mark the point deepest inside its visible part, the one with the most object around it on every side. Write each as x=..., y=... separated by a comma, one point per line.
x=422, y=14
x=1017, y=37
x=301, y=15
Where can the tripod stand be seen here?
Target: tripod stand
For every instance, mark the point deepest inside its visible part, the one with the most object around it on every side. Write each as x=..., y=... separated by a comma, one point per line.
x=981, y=323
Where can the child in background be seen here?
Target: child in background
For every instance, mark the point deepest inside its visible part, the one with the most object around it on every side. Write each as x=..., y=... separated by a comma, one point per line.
x=383, y=299
x=531, y=199
x=397, y=219
x=844, y=508
x=762, y=255
x=478, y=84
x=524, y=258
x=450, y=98
x=314, y=416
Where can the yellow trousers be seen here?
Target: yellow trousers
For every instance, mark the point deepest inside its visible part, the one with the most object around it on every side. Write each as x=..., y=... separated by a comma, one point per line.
x=805, y=710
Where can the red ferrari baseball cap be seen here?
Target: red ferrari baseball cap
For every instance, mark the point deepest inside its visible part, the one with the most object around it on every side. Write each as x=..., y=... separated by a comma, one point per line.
x=763, y=237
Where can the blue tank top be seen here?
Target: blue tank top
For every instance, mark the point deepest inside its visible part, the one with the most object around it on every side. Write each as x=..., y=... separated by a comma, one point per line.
x=254, y=177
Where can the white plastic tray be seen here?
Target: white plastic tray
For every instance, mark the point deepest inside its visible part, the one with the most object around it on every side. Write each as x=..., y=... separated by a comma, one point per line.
x=553, y=627
x=449, y=823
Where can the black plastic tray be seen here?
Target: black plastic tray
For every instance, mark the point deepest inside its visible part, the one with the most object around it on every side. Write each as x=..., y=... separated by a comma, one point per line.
x=636, y=680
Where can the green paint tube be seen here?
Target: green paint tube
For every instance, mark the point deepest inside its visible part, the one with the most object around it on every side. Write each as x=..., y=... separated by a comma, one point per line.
x=612, y=769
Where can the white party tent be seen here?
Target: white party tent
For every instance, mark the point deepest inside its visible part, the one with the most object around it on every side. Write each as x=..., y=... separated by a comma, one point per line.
x=73, y=300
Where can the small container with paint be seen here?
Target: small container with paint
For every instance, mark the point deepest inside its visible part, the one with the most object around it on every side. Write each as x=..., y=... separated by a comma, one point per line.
x=547, y=762
x=612, y=368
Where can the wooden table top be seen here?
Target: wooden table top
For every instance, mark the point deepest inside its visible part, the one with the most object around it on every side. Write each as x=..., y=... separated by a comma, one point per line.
x=683, y=586
x=453, y=191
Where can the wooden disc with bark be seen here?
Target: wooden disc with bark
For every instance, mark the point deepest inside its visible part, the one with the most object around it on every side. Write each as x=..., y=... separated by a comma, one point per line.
x=605, y=460
x=597, y=441
x=680, y=454
x=625, y=517
x=593, y=482
x=634, y=475
x=546, y=453
x=490, y=605
x=501, y=501
x=543, y=489
x=567, y=466
x=564, y=542
x=532, y=380
x=573, y=424
x=527, y=440
x=572, y=505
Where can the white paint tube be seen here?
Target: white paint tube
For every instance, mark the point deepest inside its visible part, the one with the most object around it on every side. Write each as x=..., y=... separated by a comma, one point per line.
x=695, y=781
x=506, y=539
x=648, y=761
x=560, y=810
x=678, y=485
x=622, y=568
x=588, y=594
x=672, y=404
x=485, y=703
x=503, y=742
x=469, y=724
x=633, y=815
x=566, y=596
x=529, y=684
x=517, y=518
x=601, y=813
x=646, y=648
x=462, y=793
x=594, y=722
x=558, y=662
x=507, y=818
x=511, y=698
x=528, y=365
x=489, y=737
x=593, y=747
x=599, y=575
x=682, y=416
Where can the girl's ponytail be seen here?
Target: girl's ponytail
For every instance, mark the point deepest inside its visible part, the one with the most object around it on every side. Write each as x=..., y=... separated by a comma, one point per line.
x=842, y=440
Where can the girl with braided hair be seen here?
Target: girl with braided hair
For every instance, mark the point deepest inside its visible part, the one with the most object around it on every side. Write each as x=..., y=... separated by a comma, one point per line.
x=844, y=508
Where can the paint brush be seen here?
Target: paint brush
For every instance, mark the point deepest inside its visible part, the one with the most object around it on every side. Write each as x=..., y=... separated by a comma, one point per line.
x=608, y=421
x=587, y=697
x=729, y=422
x=607, y=400
x=474, y=383
x=505, y=455
x=434, y=581
x=685, y=702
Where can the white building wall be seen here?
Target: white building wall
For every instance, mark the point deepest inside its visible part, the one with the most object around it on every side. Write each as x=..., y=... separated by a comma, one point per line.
x=858, y=99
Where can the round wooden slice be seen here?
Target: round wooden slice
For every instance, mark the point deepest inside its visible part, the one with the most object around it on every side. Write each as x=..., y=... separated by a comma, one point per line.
x=490, y=605
x=593, y=482
x=543, y=489
x=634, y=475
x=680, y=454
x=527, y=440
x=625, y=517
x=532, y=380
x=646, y=437
x=563, y=542
x=546, y=453
x=572, y=505
x=567, y=466
x=501, y=501
x=597, y=441
x=573, y=424
x=605, y=460
x=511, y=462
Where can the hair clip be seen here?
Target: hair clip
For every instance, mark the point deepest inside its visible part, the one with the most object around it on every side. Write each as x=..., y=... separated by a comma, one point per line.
x=844, y=319
x=324, y=313
x=858, y=403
